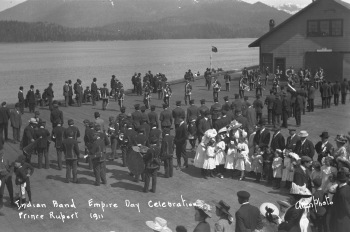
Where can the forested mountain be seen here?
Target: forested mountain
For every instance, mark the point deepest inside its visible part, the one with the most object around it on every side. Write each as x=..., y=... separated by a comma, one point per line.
x=142, y=19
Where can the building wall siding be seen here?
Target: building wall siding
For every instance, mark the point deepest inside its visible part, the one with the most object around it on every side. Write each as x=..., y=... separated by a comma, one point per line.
x=291, y=40
x=346, y=66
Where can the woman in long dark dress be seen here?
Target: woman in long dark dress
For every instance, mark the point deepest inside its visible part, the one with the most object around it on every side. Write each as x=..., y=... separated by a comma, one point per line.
x=202, y=212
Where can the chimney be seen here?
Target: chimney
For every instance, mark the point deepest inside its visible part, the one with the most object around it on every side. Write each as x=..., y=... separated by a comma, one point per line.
x=271, y=24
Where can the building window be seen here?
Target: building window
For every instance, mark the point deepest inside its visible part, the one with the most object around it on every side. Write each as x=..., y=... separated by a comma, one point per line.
x=325, y=27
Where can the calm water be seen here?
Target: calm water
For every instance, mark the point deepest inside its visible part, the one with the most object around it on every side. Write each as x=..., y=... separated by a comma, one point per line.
x=42, y=63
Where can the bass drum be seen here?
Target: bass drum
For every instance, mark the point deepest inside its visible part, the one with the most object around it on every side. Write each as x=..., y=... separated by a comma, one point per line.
x=135, y=162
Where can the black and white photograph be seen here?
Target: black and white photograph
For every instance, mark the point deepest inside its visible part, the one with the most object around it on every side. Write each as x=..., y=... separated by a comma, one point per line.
x=175, y=115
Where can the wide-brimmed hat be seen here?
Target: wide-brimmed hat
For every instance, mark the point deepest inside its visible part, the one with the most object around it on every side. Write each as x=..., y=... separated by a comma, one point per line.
x=206, y=208
x=224, y=207
x=269, y=207
x=222, y=130
x=159, y=224
x=341, y=139
x=283, y=204
x=33, y=120
x=294, y=155
x=301, y=191
x=211, y=133
x=235, y=125
x=324, y=134
x=303, y=134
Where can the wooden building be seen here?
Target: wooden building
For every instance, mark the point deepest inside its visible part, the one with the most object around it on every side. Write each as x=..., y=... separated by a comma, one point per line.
x=316, y=36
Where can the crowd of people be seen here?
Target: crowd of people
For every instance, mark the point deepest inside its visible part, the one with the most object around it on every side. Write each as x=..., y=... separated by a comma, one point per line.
x=230, y=140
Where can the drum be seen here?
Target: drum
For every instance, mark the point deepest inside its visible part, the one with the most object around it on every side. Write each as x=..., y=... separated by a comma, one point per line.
x=135, y=162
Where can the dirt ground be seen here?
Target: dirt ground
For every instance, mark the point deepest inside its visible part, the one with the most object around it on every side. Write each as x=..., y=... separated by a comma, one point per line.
x=121, y=205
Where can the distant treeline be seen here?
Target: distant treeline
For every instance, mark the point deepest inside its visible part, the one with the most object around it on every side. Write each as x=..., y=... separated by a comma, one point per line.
x=14, y=31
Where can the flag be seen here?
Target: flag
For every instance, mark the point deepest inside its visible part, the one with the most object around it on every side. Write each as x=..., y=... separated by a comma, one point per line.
x=214, y=49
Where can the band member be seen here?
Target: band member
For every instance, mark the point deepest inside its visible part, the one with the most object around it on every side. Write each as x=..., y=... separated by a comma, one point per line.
x=147, y=96
x=216, y=88
x=241, y=88
x=152, y=165
x=29, y=137
x=290, y=74
x=121, y=96
x=165, y=118
x=180, y=142
x=188, y=91
x=98, y=156
x=207, y=76
x=57, y=137
x=267, y=74
x=16, y=122
x=167, y=94
x=301, y=76
x=71, y=152
x=49, y=95
x=104, y=96
x=56, y=115
x=278, y=74
x=192, y=112
x=167, y=151
x=178, y=113
x=153, y=116
x=112, y=133
x=215, y=111
x=227, y=81
x=94, y=91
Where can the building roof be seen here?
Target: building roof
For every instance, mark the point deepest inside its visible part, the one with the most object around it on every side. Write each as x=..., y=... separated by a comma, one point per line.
x=256, y=43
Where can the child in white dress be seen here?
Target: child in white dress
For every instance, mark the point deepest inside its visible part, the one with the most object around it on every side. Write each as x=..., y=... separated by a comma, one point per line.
x=220, y=153
x=288, y=169
x=209, y=159
x=230, y=158
x=242, y=157
x=277, y=170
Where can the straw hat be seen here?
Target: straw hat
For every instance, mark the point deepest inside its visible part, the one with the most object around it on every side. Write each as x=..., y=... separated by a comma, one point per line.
x=298, y=190
x=159, y=224
x=303, y=134
x=33, y=120
x=235, y=125
x=206, y=208
x=224, y=207
x=222, y=130
x=341, y=139
x=267, y=206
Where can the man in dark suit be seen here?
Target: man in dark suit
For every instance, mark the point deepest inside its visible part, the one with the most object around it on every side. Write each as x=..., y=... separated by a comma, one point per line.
x=21, y=100
x=298, y=107
x=29, y=137
x=42, y=136
x=165, y=118
x=154, y=132
x=292, y=139
x=344, y=87
x=269, y=102
x=215, y=111
x=192, y=112
x=94, y=91
x=178, y=113
x=248, y=216
x=50, y=96
x=31, y=99
x=340, y=210
x=277, y=110
x=311, y=97
x=262, y=136
x=153, y=116
x=70, y=93
x=6, y=171
x=336, y=91
x=258, y=106
x=98, y=156
x=56, y=115
x=71, y=127
x=4, y=120
x=323, y=147
x=302, y=173
x=180, y=142
x=144, y=116
x=324, y=94
x=166, y=152
x=104, y=96
x=79, y=93
x=304, y=147
x=277, y=141
x=203, y=107
x=16, y=123
x=236, y=104
x=66, y=93
x=71, y=152
x=241, y=119
x=57, y=137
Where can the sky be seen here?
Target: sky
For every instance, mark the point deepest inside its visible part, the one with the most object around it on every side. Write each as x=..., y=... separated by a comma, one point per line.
x=4, y=4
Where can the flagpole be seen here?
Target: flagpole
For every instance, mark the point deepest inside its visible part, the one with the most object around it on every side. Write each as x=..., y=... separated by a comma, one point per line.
x=211, y=52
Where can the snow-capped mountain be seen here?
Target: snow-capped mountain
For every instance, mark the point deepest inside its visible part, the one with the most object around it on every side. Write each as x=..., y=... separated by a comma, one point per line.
x=290, y=7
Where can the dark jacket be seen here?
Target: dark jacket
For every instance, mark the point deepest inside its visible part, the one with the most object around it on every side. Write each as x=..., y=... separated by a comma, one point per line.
x=192, y=113
x=181, y=134
x=57, y=136
x=302, y=177
x=278, y=142
x=340, y=210
x=4, y=115
x=22, y=172
x=248, y=218
x=307, y=149
x=291, y=143
x=28, y=135
x=153, y=118
x=178, y=113
x=20, y=97
x=322, y=152
x=311, y=93
x=203, y=126
x=70, y=148
x=258, y=106
x=269, y=101
x=291, y=220
x=56, y=116
x=42, y=136
x=336, y=88
x=277, y=106
x=215, y=111
x=262, y=139
x=93, y=88
x=30, y=97
x=75, y=131
x=202, y=227
x=136, y=118
x=166, y=118
x=16, y=118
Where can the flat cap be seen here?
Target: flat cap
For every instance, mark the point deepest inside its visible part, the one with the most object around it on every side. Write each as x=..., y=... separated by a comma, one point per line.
x=143, y=108
x=165, y=105
x=166, y=130
x=86, y=121
x=137, y=106
x=70, y=122
x=191, y=101
x=178, y=103
x=243, y=194
x=226, y=98
x=97, y=114
x=202, y=100
x=153, y=107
